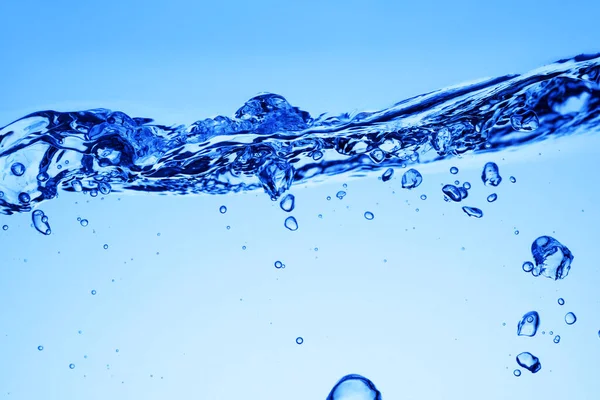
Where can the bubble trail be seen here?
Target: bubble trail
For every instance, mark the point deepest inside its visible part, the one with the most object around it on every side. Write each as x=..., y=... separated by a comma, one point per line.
x=288, y=202
x=529, y=362
x=354, y=387
x=552, y=259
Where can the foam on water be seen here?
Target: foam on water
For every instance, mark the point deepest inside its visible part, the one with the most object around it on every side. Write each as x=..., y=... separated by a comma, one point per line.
x=271, y=144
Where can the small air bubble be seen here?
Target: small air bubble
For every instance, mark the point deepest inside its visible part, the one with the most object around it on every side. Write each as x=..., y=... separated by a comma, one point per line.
x=228, y=227
x=561, y=301
x=72, y=366
x=517, y=372
x=467, y=185
x=5, y=227
x=24, y=197
x=492, y=197
x=387, y=175
x=287, y=203
x=93, y=292
x=279, y=265
x=527, y=266
x=423, y=197
x=556, y=339
x=243, y=247
x=340, y=195
x=369, y=215
x=222, y=209
x=291, y=223
x=40, y=348
x=516, y=231
x=512, y=179
x=328, y=197
x=570, y=318
x=299, y=340
x=454, y=170
x=17, y=169
x=105, y=246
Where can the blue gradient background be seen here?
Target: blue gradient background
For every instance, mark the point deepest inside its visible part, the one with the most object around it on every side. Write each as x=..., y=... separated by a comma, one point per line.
x=204, y=318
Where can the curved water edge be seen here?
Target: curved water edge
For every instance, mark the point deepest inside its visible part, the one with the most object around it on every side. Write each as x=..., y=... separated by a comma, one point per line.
x=271, y=144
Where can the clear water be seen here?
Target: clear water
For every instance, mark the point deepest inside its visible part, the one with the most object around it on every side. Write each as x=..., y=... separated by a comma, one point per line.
x=419, y=236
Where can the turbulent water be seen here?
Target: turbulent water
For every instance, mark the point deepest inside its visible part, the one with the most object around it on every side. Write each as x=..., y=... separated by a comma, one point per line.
x=271, y=144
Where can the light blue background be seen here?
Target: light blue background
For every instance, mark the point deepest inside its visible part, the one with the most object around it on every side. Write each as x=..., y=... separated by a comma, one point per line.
x=425, y=324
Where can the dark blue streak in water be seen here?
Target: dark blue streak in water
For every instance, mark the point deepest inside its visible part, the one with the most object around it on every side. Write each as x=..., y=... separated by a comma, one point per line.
x=271, y=144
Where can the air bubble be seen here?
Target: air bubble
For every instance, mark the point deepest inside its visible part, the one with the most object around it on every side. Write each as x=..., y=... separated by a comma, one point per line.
x=528, y=325
x=517, y=372
x=93, y=292
x=317, y=155
x=527, y=266
x=279, y=264
x=24, y=197
x=561, y=301
x=5, y=227
x=524, y=120
x=473, y=212
x=291, y=223
x=411, y=179
x=288, y=202
x=340, y=195
x=369, y=215
x=529, y=362
x=40, y=348
x=83, y=222
x=76, y=185
x=299, y=340
x=72, y=366
x=452, y=192
x=512, y=179
x=222, y=209
x=42, y=177
x=40, y=222
x=516, y=231
x=570, y=318
x=17, y=169
x=467, y=185
x=491, y=175
x=423, y=197
x=105, y=246
x=492, y=198
x=556, y=339
x=552, y=258
x=387, y=175
x=454, y=170
x=104, y=188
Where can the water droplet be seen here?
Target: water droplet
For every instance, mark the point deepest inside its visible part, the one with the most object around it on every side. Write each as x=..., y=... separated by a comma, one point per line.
x=492, y=198
x=40, y=348
x=5, y=227
x=556, y=339
x=467, y=185
x=491, y=175
x=83, y=222
x=411, y=179
x=24, y=197
x=279, y=264
x=517, y=372
x=387, y=175
x=291, y=223
x=552, y=259
x=105, y=246
x=528, y=325
x=452, y=192
x=512, y=179
x=423, y=197
x=369, y=215
x=473, y=212
x=524, y=120
x=340, y=195
x=288, y=202
x=17, y=169
x=570, y=318
x=529, y=362
x=527, y=266
x=93, y=292
x=561, y=301
x=299, y=340
x=40, y=222
x=222, y=209
x=454, y=170
x=72, y=366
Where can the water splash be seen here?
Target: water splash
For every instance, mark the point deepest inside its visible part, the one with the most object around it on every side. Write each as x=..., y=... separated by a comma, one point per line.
x=271, y=144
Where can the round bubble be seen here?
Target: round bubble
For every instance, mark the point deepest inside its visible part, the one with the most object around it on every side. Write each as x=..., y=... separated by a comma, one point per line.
x=570, y=318
x=369, y=215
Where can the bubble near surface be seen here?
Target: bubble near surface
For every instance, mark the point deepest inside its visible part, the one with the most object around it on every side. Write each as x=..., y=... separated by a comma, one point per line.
x=40, y=222
x=570, y=318
x=387, y=175
x=222, y=209
x=454, y=170
x=528, y=325
x=452, y=193
x=288, y=202
x=524, y=120
x=17, y=169
x=529, y=362
x=552, y=259
x=411, y=179
x=473, y=212
x=491, y=174
x=291, y=223
x=354, y=387
x=527, y=266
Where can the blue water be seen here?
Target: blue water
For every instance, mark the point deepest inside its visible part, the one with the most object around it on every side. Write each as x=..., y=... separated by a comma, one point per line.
x=272, y=146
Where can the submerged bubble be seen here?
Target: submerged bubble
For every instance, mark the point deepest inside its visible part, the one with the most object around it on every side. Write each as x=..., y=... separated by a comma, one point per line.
x=340, y=195
x=354, y=387
x=72, y=366
x=104, y=188
x=527, y=266
x=528, y=325
x=83, y=222
x=299, y=340
x=291, y=223
x=387, y=175
x=552, y=258
x=492, y=197
x=4, y=227
x=17, y=169
x=24, y=197
x=452, y=192
x=411, y=179
x=529, y=362
x=279, y=264
x=276, y=177
x=288, y=202
x=512, y=179
x=40, y=222
x=517, y=372
x=105, y=246
x=423, y=197
x=93, y=292
x=473, y=212
x=524, y=120
x=454, y=170
x=467, y=185
x=570, y=318
x=369, y=215
x=76, y=185
x=40, y=348
x=317, y=155
x=556, y=339
x=463, y=193
x=222, y=209
x=491, y=175
x=561, y=301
